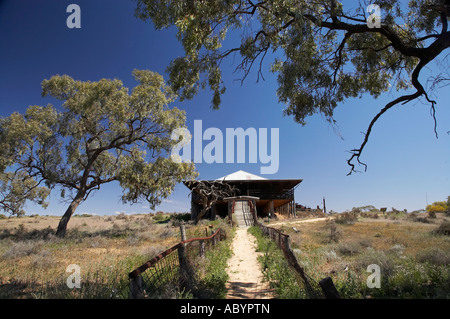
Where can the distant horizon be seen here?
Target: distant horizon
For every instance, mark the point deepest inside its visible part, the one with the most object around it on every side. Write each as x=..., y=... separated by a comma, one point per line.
x=175, y=212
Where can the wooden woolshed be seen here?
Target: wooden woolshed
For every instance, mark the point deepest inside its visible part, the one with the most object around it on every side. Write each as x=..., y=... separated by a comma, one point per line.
x=268, y=196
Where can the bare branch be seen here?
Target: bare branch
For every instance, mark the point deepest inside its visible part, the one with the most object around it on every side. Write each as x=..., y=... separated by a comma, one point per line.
x=356, y=153
x=210, y=192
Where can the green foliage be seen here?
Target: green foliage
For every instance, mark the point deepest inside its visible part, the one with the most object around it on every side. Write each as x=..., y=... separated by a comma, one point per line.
x=160, y=217
x=213, y=283
x=101, y=133
x=425, y=276
x=276, y=269
x=18, y=187
x=322, y=51
x=320, y=66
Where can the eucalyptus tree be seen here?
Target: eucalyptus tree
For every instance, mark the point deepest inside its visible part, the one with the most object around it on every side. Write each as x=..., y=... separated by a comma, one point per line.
x=324, y=52
x=16, y=188
x=16, y=185
x=102, y=133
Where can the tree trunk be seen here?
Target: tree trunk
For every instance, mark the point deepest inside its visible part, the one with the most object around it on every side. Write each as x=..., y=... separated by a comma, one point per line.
x=62, y=226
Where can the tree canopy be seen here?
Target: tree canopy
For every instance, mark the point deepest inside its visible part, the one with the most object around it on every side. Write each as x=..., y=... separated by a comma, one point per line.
x=103, y=133
x=324, y=52
x=16, y=188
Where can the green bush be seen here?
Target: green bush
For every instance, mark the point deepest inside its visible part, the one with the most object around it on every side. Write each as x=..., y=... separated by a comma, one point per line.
x=160, y=217
x=276, y=270
x=213, y=284
x=443, y=229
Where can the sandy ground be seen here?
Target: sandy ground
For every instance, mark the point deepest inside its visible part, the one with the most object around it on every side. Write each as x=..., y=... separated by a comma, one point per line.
x=288, y=222
x=245, y=276
x=244, y=271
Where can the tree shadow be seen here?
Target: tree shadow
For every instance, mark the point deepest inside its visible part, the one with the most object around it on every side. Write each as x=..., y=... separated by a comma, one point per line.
x=248, y=290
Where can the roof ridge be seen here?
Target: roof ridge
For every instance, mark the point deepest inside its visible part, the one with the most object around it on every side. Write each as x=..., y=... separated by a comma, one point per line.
x=241, y=175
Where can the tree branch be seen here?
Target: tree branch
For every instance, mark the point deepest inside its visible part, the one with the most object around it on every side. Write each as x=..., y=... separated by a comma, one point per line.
x=356, y=153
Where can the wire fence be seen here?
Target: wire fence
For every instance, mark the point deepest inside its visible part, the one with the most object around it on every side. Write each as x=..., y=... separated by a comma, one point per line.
x=173, y=270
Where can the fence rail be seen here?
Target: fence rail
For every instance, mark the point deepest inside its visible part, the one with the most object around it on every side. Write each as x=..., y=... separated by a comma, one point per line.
x=171, y=269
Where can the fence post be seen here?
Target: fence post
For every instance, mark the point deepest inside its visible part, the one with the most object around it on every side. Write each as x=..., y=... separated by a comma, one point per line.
x=183, y=232
x=292, y=260
x=136, y=288
x=328, y=288
x=286, y=244
x=279, y=239
x=186, y=271
x=201, y=248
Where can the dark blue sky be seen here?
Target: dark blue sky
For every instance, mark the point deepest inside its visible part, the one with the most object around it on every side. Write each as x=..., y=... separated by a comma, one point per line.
x=407, y=165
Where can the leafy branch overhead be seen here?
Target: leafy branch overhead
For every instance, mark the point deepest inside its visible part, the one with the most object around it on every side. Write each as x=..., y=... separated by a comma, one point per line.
x=324, y=53
x=102, y=134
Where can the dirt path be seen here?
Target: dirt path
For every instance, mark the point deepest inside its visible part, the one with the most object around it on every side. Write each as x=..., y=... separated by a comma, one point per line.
x=244, y=270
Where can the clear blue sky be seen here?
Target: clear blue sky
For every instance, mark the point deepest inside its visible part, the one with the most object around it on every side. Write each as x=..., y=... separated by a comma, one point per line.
x=407, y=165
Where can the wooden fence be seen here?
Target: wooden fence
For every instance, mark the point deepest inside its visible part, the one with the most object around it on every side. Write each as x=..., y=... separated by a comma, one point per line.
x=171, y=269
x=324, y=289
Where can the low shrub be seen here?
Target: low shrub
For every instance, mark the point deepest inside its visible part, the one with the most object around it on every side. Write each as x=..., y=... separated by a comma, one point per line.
x=443, y=229
x=349, y=248
x=23, y=248
x=434, y=256
x=346, y=218
x=160, y=217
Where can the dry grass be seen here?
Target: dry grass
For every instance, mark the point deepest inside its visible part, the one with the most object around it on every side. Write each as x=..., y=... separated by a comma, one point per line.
x=400, y=246
x=33, y=261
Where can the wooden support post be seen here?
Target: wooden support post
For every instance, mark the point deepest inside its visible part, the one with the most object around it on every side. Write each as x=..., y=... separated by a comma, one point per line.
x=271, y=211
x=329, y=289
x=194, y=210
x=213, y=212
x=293, y=208
x=136, y=288
x=255, y=211
x=293, y=204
